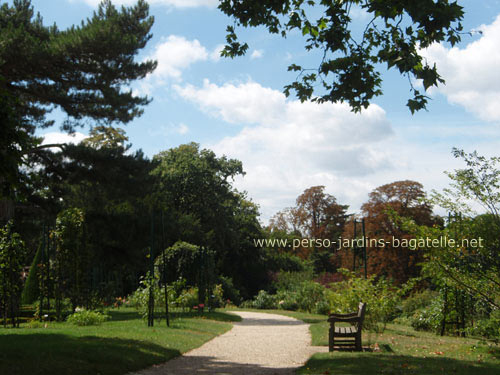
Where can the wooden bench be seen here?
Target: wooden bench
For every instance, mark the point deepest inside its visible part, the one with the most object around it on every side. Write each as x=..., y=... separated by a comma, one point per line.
x=347, y=336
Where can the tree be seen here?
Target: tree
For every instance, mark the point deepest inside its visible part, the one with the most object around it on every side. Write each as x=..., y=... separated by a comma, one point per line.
x=193, y=186
x=348, y=70
x=85, y=71
x=72, y=259
x=12, y=254
x=472, y=269
x=318, y=214
x=112, y=187
x=403, y=198
x=31, y=290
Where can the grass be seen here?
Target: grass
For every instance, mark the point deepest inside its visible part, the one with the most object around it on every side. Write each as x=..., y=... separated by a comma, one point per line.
x=399, y=350
x=118, y=346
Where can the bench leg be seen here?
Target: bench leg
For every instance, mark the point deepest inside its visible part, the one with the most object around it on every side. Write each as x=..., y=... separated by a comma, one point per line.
x=331, y=338
x=359, y=347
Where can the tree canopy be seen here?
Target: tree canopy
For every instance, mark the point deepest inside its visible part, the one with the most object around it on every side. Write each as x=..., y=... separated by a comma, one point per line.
x=84, y=70
x=349, y=67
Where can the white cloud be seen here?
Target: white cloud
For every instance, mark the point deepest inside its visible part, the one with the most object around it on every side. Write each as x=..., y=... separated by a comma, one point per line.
x=168, y=3
x=471, y=73
x=174, y=54
x=287, y=146
x=57, y=138
x=241, y=103
x=257, y=54
x=215, y=54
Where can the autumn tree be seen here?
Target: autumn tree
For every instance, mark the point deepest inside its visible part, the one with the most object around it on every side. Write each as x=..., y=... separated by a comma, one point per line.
x=403, y=198
x=317, y=215
x=349, y=62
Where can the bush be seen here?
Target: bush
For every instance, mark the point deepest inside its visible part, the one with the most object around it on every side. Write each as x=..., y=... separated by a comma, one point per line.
x=231, y=293
x=418, y=300
x=87, y=318
x=489, y=328
x=309, y=294
x=264, y=300
x=428, y=318
x=291, y=281
x=322, y=307
x=381, y=297
x=187, y=299
x=287, y=300
x=31, y=290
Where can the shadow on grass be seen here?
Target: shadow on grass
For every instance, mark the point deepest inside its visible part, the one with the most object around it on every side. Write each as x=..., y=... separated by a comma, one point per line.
x=381, y=363
x=213, y=315
x=40, y=353
x=190, y=365
x=120, y=315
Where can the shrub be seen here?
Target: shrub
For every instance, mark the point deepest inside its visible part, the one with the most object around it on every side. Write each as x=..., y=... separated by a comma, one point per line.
x=87, y=318
x=287, y=300
x=309, y=294
x=489, y=328
x=381, y=297
x=264, y=300
x=230, y=291
x=31, y=289
x=187, y=299
x=417, y=301
x=291, y=280
x=322, y=307
x=428, y=318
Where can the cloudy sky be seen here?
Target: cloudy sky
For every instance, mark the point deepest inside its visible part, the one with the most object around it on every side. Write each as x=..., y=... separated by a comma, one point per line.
x=237, y=108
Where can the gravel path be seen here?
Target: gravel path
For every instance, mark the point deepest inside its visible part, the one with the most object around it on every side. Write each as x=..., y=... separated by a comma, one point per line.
x=261, y=344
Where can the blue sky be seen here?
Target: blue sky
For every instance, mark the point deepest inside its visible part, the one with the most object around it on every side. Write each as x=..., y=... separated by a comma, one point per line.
x=236, y=107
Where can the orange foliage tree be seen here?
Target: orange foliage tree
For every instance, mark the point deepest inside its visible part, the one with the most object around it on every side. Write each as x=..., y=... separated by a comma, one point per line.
x=405, y=198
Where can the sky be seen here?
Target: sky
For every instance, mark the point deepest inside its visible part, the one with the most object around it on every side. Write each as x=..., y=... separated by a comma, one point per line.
x=237, y=108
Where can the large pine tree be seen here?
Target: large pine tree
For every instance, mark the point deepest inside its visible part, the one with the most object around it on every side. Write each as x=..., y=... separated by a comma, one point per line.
x=85, y=71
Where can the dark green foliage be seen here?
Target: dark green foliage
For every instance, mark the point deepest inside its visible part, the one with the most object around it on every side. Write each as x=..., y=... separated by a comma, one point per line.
x=194, y=188
x=81, y=70
x=12, y=254
x=31, y=289
x=276, y=261
x=85, y=71
x=230, y=292
x=428, y=318
x=418, y=300
x=182, y=262
x=16, y=136
x=348, y=69
x=190, y=262
x=112, y=186
x=71, y=260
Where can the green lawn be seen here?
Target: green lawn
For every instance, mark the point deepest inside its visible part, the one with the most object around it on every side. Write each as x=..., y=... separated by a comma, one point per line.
x=399, y=350
x=118, y=346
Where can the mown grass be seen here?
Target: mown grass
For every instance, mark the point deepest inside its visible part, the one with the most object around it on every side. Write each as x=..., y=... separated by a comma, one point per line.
x=399, y=350
x=118, y=346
